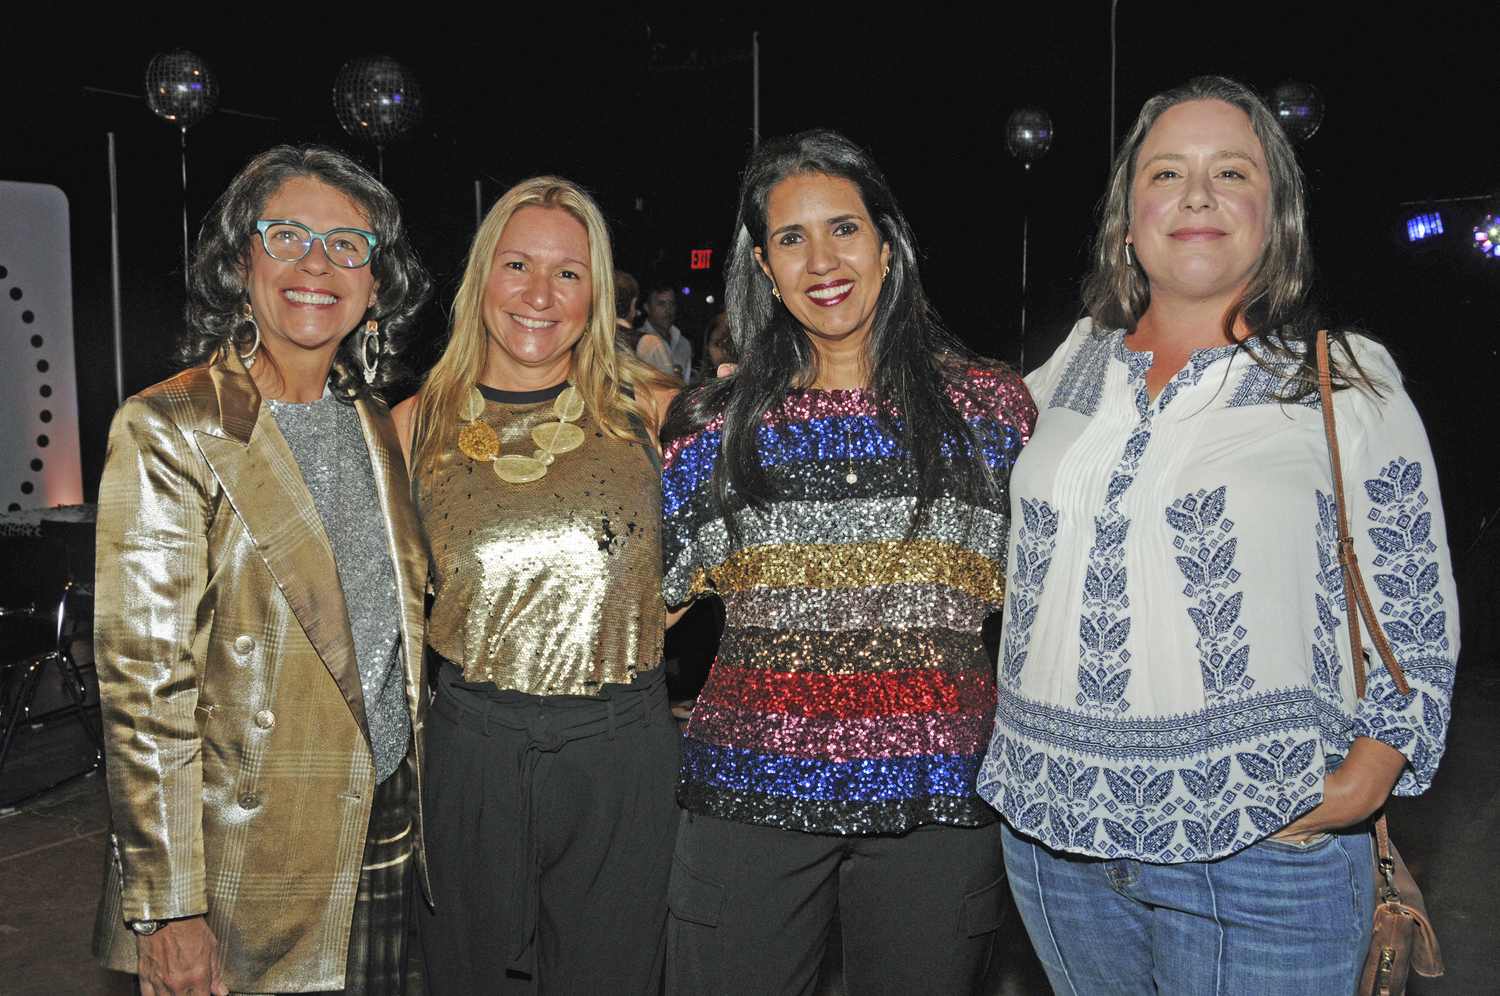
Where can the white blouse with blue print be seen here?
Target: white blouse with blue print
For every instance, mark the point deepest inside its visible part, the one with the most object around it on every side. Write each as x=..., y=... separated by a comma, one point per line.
x=1173, y=676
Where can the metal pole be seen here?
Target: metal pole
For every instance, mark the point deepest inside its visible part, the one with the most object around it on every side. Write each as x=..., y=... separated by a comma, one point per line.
x=755, y=87
x=1025, y=232
x=184, y=211
x=478, y=204
x=114, y=272
x=1113, y=4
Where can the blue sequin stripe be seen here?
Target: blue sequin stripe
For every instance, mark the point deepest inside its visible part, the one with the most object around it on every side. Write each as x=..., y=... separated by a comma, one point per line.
x=817, y=441
x=872, y=780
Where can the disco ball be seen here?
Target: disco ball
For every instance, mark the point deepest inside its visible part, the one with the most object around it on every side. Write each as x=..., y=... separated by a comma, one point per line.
x=377, y=100
x=1028, y=134
x=180, y=88
x=1298, y=108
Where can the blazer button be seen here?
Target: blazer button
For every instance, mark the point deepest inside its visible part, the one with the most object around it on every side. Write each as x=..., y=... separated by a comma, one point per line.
x=244, y=645
x=249, y=800
x=265, y=719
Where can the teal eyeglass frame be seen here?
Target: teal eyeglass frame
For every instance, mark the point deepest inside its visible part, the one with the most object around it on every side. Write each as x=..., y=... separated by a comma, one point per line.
x=312, y=236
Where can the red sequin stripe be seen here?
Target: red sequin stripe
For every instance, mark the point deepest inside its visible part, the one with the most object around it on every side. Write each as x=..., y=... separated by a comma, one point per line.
x=849, y=696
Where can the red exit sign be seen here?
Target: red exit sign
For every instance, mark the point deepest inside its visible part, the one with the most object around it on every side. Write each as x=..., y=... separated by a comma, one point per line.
x=700, y=258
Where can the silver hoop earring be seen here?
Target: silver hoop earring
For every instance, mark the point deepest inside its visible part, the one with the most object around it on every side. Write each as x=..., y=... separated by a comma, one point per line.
x=249, y=358
x=1129, y=256
x=369, y=360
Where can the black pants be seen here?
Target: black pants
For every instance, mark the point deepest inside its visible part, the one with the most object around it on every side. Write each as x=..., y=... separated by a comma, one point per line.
x=549, y=826
x=752, y=905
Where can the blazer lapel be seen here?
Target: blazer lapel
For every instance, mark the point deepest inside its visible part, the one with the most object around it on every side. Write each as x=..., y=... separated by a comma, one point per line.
x=262, y=481
x=403, y=536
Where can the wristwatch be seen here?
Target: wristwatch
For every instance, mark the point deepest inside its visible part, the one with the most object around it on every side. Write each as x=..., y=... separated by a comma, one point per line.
x=146, y=928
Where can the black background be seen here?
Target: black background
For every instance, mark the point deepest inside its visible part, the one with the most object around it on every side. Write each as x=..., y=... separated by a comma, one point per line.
x=654, y=104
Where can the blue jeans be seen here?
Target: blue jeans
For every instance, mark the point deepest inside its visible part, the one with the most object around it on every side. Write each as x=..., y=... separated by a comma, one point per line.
x=1275, y=919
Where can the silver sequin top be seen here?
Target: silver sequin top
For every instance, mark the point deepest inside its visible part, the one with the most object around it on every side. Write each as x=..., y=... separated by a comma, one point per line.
x=326, y=439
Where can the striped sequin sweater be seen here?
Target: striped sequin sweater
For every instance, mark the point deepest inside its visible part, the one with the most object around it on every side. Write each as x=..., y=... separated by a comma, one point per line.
x=852, y=692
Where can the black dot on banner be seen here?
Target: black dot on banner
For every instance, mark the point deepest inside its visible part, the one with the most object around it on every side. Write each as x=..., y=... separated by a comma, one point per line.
x=27, y=487
x=46, y=415
x=36, y=464
x=36, y=341
x=15, y=293
x=42, y=441
x=42, y=365
x=14, y=506
x=46, y=390
x=27, y=317
x=4, y=273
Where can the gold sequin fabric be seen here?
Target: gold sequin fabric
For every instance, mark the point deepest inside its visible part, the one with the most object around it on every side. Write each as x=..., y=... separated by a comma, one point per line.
x=550, y=587
x=852, y=692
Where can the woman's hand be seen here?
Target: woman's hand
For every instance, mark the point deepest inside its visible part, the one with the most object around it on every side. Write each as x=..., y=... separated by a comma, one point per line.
x=1352, y=793
x=180, y=959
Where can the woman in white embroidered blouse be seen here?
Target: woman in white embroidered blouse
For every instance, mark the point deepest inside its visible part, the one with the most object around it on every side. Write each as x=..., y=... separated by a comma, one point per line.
x=1183, y=763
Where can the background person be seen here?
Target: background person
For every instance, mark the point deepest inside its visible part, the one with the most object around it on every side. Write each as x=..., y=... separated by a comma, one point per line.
x=845, y=494
x=552, y=756
x=1180, y=754
x=259, y=608
x=661, y=312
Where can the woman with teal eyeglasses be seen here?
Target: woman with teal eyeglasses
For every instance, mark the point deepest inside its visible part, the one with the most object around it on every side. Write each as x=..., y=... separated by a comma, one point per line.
x=259, y=625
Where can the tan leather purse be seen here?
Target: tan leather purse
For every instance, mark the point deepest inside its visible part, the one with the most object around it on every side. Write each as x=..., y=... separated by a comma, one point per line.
x=1403, y=937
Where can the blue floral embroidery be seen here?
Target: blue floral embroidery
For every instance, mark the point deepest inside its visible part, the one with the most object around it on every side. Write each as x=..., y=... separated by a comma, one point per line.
x=1207, y=561
x=1414, y=620
x=1082, y=382
x=1328, y=669
x=1030, y=560
x=1105, y=626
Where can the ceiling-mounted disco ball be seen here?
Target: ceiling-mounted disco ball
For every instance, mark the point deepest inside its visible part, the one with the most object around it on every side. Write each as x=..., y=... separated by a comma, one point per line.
x=377, y=100
x=1298, y=108
x=1028, y=134
x=180, y=88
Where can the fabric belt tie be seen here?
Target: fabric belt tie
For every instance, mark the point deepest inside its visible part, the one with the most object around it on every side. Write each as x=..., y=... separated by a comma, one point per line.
x=549, y=722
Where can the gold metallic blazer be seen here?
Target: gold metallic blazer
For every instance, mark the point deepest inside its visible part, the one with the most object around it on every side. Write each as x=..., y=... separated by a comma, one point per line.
x=240, y=771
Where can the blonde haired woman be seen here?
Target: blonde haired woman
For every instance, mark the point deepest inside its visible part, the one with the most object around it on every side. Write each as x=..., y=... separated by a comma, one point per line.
x=538, y=481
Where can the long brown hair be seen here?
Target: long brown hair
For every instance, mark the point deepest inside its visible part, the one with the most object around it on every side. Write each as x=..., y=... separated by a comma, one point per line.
x=1277, y=305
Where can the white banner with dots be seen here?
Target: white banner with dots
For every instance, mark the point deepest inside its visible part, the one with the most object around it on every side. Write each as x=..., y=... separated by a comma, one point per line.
x=39, y=464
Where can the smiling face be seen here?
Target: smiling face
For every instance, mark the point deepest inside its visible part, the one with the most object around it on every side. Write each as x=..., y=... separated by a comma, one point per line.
x=825, y=256
x=1200, y=197
x=537, y=299
x=308, y=305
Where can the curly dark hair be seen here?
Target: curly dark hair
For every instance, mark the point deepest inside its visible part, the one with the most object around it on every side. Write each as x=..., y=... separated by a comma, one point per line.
x=228, y=240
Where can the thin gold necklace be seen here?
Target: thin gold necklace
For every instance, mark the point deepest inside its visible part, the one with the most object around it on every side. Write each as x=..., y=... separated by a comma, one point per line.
x=478, y=441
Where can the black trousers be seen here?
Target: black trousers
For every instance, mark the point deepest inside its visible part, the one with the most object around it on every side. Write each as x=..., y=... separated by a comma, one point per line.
x=549, y=826
x=752, y=905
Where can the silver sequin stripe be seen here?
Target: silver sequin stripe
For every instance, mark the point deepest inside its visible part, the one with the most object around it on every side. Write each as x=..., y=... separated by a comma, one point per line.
x=882, y=606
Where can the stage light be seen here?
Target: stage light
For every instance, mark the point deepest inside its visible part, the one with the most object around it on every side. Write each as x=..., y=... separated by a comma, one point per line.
x=1424, y=226
x=686, y=291
x=709, y=299
x=1487, y=236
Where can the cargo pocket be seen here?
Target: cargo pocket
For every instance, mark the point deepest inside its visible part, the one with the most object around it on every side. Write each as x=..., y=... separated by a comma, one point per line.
x=694, y=897
x=984, y=910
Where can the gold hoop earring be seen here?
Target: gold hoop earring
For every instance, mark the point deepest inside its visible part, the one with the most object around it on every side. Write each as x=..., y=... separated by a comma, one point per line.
x=887, y=271
x=368, y=363
x=776, y=292
x=249, y=315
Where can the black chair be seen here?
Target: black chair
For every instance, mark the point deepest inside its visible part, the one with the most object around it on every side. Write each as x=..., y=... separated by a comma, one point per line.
x=38, y=620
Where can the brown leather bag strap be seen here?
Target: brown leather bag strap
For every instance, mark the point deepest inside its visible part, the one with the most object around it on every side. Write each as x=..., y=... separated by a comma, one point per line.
x=1354, y=584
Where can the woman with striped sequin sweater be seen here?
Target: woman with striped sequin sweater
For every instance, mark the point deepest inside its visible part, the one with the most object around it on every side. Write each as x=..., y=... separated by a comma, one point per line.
x=845, y=494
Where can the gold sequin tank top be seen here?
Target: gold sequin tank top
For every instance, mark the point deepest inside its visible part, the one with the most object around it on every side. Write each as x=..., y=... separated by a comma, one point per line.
x=551, y=587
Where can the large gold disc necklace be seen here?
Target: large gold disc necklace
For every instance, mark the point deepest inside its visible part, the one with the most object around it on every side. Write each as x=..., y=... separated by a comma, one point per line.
x=478, y=441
